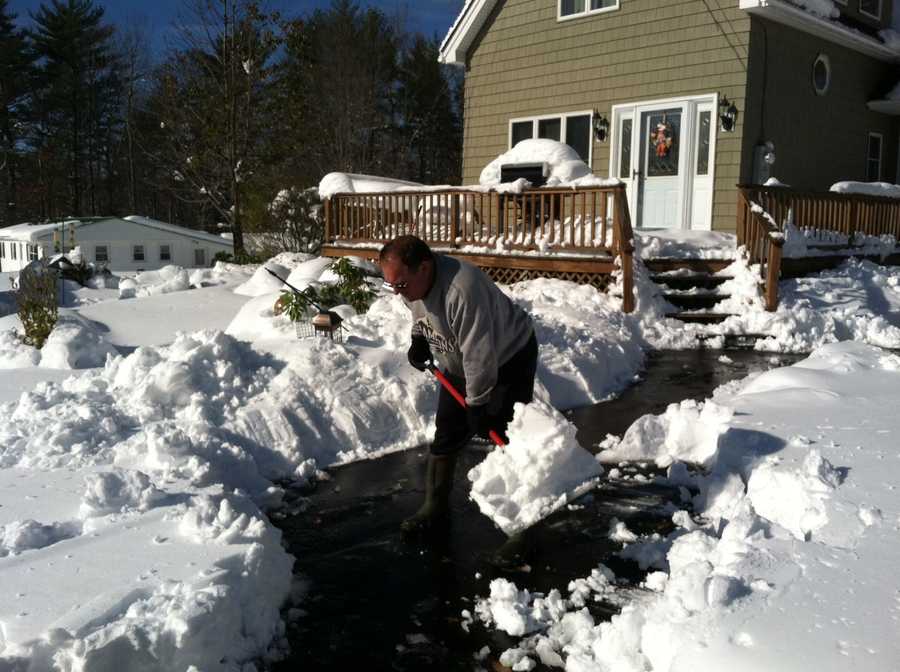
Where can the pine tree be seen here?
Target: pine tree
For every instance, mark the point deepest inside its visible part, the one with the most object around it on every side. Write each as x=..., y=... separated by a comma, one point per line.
x=16, y=63
x=76, y=79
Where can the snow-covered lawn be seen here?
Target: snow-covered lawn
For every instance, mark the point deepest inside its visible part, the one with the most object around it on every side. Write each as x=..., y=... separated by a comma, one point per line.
x=134, y=492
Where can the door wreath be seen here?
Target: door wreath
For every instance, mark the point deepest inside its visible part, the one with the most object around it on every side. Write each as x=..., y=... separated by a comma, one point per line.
x=662, y=138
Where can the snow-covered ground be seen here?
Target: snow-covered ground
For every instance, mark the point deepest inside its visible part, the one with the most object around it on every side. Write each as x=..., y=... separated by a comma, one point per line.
x=139, y=458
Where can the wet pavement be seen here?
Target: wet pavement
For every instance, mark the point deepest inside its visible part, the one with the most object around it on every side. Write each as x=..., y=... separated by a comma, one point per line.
x=375, y=601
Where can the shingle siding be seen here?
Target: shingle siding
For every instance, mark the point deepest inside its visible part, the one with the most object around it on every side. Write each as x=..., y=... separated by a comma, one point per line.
x=526, y=63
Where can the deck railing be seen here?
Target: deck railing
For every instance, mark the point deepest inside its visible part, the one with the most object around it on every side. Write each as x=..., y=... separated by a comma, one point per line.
x=764, y=241
x=828, y=210
x=590, y=221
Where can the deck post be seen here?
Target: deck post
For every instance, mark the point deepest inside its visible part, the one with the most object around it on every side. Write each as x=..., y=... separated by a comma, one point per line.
x=454, y=219
x=773, y=273
x=327, y=204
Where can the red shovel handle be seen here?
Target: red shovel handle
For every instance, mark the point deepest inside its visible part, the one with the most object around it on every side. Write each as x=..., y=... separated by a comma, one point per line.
x=462, y=401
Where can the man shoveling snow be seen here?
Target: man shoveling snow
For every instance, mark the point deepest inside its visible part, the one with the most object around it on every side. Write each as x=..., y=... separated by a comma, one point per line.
x=487, y=348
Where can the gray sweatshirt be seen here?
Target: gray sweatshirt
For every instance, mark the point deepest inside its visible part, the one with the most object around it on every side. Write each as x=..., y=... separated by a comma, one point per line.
x=472, y=327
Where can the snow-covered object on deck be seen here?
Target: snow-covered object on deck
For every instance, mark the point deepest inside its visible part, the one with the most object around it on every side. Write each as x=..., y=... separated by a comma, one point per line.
x=541, y=469
x=353, y=183
x=563, y=163
x=885, y=189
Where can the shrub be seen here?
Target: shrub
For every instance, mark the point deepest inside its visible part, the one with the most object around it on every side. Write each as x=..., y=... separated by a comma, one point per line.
x=352, y=285
x=36, y=303
x=241, y=258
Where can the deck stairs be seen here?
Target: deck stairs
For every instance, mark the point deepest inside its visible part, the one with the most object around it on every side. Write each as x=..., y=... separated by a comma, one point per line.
x=693, y=287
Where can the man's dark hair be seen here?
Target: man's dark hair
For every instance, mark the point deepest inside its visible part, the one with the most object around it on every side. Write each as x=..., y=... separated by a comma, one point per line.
x=411, y=251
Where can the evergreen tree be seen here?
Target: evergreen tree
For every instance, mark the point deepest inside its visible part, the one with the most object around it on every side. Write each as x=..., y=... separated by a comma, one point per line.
x=16, y=63
x=76, y=81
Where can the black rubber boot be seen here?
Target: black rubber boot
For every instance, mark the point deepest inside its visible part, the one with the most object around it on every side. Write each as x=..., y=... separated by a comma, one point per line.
x=515, y=552
x=438, y=483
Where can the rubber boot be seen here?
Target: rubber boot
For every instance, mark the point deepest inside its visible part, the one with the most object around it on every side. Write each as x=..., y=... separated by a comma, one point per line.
x=438, y=483
x=515, y=552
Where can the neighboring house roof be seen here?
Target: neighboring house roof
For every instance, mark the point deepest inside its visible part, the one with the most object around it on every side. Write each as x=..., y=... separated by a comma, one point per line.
x=34, y=232
x=890, y=104
x=475, y=13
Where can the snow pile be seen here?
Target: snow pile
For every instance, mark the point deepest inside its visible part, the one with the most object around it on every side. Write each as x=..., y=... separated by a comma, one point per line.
x=75, y=343
x=167, y=279
x=14, y=354
x=118, y=491
x=264, y=282
x=352, y=183
x=884, y=189
x=777, y=516
x=563, y=166
x=685, y=244
x=541, y=469
x=808, y=242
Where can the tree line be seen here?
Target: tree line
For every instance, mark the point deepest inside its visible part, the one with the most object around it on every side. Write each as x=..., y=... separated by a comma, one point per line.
x=245, y=104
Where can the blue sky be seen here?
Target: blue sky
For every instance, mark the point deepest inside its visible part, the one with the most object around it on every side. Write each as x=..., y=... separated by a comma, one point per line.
x=156, y=16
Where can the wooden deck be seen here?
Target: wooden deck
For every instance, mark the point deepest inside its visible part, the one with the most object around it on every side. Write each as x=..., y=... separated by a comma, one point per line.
x=572, y=234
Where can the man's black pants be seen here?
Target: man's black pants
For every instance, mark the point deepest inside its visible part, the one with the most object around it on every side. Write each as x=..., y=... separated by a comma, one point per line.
x=515, y=384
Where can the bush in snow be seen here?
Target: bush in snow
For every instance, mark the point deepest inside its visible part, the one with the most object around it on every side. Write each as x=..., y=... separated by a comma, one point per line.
x=36, y=303
x=299, y=226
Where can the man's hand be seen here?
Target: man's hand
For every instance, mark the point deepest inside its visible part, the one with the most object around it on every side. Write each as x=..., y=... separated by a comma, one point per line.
x=419, y=354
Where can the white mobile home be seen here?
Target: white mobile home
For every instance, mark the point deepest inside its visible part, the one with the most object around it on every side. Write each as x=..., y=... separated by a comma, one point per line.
x=130, y=244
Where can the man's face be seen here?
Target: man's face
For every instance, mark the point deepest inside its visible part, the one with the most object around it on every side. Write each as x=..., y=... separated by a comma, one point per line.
x=411, y=284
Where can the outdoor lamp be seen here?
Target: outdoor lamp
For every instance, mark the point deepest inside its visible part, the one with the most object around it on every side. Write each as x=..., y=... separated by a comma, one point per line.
x=727, y=115
x=601, y=127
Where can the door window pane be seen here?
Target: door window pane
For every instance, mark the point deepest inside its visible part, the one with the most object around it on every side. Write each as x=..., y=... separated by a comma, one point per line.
x=578, y=135
x=521, y=130
x=873, y=161
x=703, y=144
x=549, y=128
x=663, y=137
x=625, y=150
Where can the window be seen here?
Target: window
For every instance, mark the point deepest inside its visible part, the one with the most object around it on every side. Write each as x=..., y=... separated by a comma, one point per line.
x=101, y=254
x=199, y=257
x=13, y=246
x=571, y=9
x=873, y=158
x=625, y=150
x=870, y=8
x=2, y=250
x=165, y=252
x=137, y=253
x=32, y=252
x=703, y=143
x=574, y=129
x=821, y=74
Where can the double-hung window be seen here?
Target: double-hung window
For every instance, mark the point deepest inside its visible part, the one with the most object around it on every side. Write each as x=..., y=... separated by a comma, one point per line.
x=870, y=8
x=572, y=128
x=165, y=252
x=32, y=252
x=137, y=253
x=873, y=158
x=101, y=254
x=572, y=9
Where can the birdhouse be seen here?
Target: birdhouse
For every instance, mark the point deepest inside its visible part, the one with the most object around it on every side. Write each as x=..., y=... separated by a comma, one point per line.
x=326, y=323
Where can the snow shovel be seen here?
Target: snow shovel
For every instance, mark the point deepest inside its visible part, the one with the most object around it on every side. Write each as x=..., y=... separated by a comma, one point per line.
x=462, y=401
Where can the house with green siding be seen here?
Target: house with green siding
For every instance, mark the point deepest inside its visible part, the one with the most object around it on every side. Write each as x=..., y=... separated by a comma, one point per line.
x=685, y=99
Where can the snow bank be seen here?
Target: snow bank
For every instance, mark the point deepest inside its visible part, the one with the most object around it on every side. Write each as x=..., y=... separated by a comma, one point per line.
x=74, y=343
x=777, y=516
x=541, y=469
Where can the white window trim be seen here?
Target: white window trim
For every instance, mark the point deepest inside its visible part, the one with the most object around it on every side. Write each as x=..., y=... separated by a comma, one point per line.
x=562, y=116
x=827, y=61
x=877, y=17
x=880, y=154
x=583, y=14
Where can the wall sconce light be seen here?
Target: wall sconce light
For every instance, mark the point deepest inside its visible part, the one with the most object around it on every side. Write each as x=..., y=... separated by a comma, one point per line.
x=727, y=115
x=601, y=127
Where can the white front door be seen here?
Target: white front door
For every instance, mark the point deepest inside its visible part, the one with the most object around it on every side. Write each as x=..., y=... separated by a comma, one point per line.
x=662, y=150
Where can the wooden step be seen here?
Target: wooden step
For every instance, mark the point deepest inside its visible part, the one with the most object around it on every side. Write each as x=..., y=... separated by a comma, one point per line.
x=661, y=265
x=692, y=281
x=694, y=301
x=699, y=318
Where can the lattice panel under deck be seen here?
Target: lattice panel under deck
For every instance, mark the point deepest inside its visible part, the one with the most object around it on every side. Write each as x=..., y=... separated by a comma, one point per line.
x=508, y=276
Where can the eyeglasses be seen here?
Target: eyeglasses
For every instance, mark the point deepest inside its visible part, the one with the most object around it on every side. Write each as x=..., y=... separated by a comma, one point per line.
x=396, y=285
